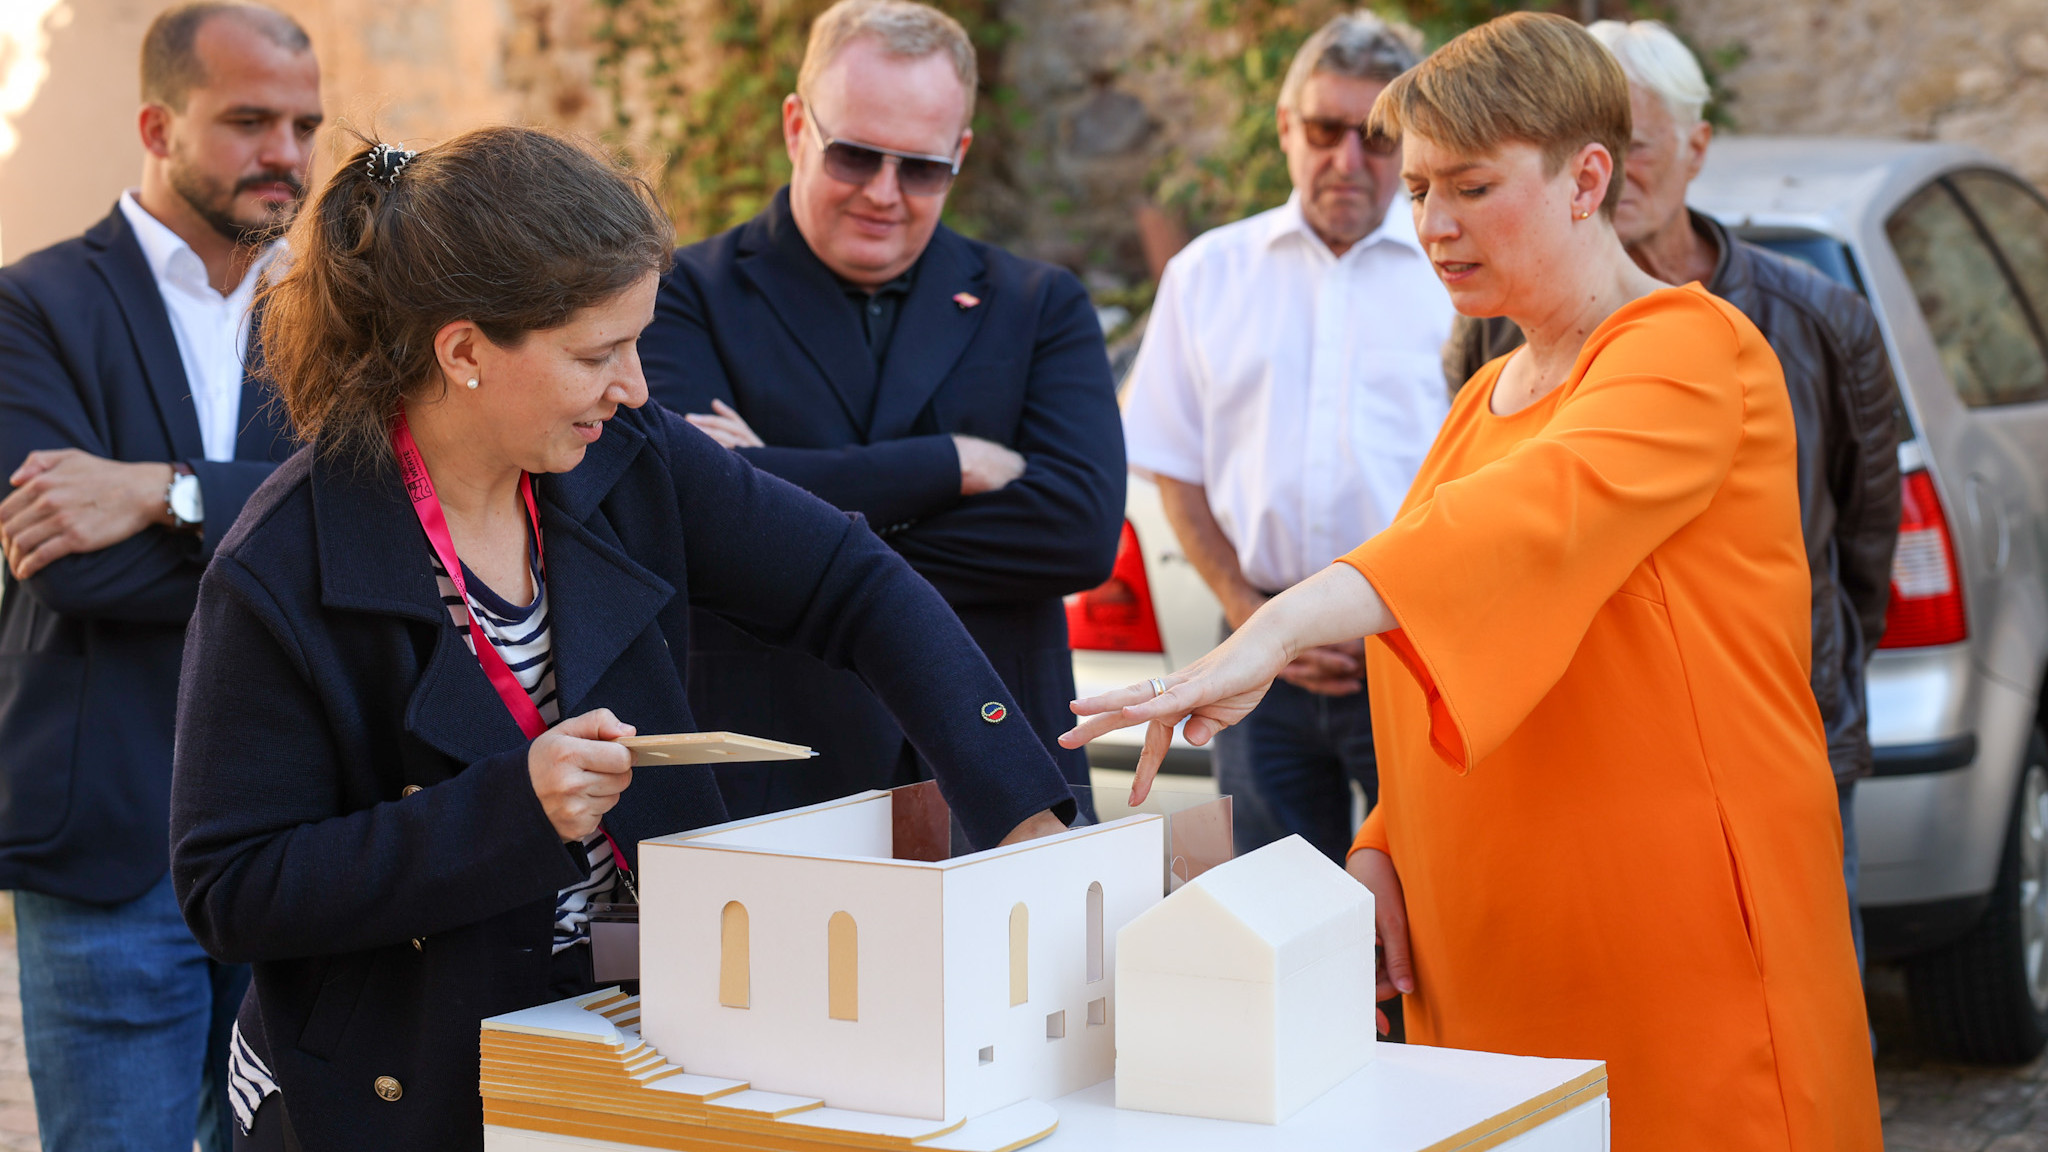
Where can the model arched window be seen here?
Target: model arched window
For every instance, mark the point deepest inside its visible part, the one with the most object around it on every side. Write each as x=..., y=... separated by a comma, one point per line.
x=1094, y=932
x=733, y=956
x=842, y=963
x=1020, y=955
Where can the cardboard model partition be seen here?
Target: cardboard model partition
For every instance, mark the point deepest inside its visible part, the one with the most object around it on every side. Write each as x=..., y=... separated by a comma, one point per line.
x=816, y=978
x=708, y=748
x=1248, y=992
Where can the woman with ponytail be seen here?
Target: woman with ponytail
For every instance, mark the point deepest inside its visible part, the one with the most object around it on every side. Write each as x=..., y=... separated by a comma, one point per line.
x=397, y=789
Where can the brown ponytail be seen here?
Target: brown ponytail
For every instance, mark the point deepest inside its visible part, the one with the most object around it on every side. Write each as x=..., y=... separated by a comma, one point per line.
x=513, y=229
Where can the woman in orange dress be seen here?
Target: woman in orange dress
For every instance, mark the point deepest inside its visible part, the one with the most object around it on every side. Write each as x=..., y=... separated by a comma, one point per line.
x=1608, y=829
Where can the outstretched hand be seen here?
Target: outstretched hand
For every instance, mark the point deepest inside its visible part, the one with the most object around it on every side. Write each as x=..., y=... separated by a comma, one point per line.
x=1210, y=695
x=1333, y=606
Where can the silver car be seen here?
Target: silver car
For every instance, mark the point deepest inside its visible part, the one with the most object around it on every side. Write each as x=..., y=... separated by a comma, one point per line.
x=1951, y=249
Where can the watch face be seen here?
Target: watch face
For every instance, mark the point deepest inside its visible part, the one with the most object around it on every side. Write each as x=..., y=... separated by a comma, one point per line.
x=185, y=502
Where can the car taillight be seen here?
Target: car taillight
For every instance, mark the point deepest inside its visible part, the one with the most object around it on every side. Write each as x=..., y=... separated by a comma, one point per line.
x=1116, y=616
x=1927, y=592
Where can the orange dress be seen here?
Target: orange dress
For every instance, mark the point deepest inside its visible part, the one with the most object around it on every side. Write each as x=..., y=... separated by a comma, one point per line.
x=1603, y=778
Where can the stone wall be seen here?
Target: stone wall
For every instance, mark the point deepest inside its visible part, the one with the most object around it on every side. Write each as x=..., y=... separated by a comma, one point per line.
x=1092, y=111
x=1970, y=71
x=407, y=70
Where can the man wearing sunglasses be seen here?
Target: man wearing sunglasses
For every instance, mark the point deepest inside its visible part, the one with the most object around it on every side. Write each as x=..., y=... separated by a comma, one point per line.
x=956, y=395
x=1285, y=394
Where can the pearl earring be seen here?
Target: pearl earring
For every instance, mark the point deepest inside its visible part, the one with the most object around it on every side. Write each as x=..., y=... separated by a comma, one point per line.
x=472, y=383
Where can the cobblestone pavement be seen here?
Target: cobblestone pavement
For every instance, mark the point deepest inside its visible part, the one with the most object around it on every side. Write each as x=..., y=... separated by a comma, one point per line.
x=1928, y=1106
x=17, y=1107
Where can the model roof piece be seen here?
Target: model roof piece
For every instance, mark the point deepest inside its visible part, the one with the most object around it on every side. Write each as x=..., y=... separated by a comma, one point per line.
x=1248, y=992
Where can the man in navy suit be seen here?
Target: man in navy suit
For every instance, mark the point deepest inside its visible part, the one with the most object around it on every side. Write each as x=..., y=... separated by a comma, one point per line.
x=130, y=435
x=956, y=395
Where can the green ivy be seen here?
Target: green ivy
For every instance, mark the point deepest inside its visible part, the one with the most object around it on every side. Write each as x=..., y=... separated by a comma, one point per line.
x=707, y=116
x=1246, y=53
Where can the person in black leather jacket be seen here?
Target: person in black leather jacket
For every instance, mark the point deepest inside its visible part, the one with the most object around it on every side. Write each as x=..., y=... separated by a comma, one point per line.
x=1844, y=400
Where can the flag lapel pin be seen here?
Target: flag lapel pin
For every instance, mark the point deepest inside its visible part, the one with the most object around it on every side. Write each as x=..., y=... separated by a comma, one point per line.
x=966, y=300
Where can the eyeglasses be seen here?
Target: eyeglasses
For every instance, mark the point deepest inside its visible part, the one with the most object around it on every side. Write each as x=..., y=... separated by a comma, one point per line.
x=917, y=173
x=1323, y=132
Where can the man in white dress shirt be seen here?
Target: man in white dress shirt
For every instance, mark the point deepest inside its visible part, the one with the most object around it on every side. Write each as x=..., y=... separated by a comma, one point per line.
x=131, y=433
x=1287, y=390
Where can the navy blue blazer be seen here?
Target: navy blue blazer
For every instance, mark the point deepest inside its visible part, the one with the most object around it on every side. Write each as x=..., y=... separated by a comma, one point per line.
x=384, y=926
x=89, y=646
x=753, y=318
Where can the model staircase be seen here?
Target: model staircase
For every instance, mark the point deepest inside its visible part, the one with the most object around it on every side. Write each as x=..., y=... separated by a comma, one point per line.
x=579, y=1068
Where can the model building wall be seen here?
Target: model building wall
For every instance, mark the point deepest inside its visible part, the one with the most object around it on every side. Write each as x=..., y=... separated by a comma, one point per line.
x=930, y=989
x=1030, y=948
x=876, y=923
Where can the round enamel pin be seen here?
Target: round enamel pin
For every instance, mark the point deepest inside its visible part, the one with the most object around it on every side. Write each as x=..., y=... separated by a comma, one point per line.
x=993, y=712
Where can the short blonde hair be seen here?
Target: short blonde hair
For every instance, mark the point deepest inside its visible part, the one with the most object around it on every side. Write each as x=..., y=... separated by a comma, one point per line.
x=903, y=28
x=1527, y=76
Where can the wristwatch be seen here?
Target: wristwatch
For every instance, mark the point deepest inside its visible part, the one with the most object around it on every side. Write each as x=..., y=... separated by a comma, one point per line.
x=182, y=501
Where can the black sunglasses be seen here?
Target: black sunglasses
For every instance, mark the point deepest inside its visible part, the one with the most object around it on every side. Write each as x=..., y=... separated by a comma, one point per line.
x=917, y=173
x=1323, y=132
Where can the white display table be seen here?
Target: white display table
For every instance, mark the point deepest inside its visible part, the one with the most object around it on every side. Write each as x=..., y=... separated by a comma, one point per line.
x=1409, y=1099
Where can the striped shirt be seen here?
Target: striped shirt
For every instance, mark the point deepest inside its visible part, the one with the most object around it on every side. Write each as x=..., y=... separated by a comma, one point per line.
x=524, y=639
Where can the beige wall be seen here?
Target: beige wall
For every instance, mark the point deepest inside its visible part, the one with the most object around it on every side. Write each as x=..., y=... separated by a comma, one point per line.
x=412, y=70
x=1969, y=71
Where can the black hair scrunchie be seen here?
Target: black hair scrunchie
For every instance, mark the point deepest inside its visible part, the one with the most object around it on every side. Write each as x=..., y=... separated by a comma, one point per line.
x=385, y=163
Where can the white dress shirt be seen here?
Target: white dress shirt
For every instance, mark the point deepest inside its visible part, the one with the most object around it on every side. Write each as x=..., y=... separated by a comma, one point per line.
x=1301, y=389
x=212, y=329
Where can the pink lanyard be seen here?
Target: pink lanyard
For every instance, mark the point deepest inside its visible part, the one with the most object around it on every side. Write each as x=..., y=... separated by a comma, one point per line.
x=420, y=488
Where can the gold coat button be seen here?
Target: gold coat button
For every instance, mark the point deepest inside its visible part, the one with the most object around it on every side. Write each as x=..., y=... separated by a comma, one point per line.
x=419, y=944
x=408, y=790
x=389, y=1088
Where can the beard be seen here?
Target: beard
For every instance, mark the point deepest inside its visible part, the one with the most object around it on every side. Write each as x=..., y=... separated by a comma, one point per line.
x=215, y=204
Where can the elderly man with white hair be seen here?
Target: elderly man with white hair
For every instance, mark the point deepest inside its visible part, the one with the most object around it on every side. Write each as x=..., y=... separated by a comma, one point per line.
x=1284, y=397
x=1843, y=397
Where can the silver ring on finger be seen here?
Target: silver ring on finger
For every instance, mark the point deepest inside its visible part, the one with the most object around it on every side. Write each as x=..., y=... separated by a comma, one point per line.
x=1158, y=687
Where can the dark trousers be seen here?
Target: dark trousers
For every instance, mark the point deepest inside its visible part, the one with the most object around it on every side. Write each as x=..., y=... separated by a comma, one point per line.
x=1289, y=767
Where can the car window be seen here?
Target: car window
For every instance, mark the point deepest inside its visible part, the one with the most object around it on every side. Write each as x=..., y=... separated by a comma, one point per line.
x=2018, y=223
x=1984, y=334
x=1824, y=254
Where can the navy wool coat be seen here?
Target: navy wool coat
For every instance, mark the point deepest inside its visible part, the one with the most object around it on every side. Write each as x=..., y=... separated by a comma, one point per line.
x=89, y=646
x=324, y=677
x=986, y=344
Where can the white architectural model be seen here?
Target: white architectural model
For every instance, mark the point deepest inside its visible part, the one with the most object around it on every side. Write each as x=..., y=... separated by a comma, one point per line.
x=1248, y=992
x=827, y=978
x=800, y=953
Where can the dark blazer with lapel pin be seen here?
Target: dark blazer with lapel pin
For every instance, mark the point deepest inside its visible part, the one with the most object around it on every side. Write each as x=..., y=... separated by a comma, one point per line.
x=89, y=646
x=384, y=926
x=753, y=318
